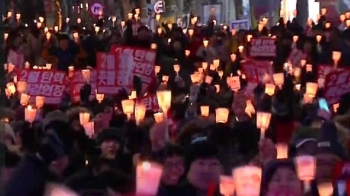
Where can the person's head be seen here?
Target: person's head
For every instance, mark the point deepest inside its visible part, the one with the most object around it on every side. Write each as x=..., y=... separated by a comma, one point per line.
x=174, y=166
x=143, y=33
x=306, y=146
x=158, y=136
x=110, y=142
x=204, y=167
x=308, y=46
x=64, y=42
x=328, y=152
x=18, y=41
x=62, y=143
x=279, y=176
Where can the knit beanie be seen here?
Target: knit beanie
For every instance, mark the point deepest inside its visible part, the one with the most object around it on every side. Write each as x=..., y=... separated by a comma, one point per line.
x=200, y=148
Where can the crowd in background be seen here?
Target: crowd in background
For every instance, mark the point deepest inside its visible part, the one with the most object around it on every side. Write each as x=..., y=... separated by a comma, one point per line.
x=193, y=149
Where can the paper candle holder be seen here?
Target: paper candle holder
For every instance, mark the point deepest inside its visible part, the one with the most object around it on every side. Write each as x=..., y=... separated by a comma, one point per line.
x=204, y=110
x=39, y=101
x=154, y=46
x=282, y=151
x=133, y=95
x=311, y=89
x=217, y=88
x=128, y=107
x=221, y=115
x=270, y=89
x=86, y=74
x=140, y=112
x=205, y=43
x=158, y=117
x=263, y=122
x=165, y=78
x=29, y=114
x=164, y=99
x=249, y=109
x=278, y=78
x=233, y=57
x=306, y=169
x=216, y=63
x=100, y=97
x=84, y=117
x=187, y=52
x=148, y=178
x=226, y=185
x=89, y=128
x=195, y=78
x=205, y=65
x=24, y=99
x=156, y=69
x=325, y=189
x=220, y=73
x=176, y=68
x=11, y=88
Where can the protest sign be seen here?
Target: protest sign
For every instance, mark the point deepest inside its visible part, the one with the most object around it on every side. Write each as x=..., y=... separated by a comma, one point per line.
x=337, y=83
x=47, y=83
x=256, y=70
x=240, y=24
x=295, y=57
x=136, y=61
x=150, y=101
x=323, y=70
x=77, y=81
x=263, y=47
x=112, y=75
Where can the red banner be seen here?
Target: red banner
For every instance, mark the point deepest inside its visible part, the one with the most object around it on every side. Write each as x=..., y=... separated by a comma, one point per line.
x=137, y=60
x=150, y=101
x=323, y=70
x=295, y=57
x=47, y=83
x=112, y=75
x=263, y=47
x=78, y=81
x=256, y=70
x=337, y=83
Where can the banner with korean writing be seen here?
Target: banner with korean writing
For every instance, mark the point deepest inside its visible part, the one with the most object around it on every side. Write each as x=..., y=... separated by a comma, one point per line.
x=263, y=47
x=137, y=61
x=77, y=81
x=150, y=101
x=256, y=70
x=337, y=83
x=295, y=57
x=240, y=24
x=48, y=83
x=324, y=70
x=112, y=75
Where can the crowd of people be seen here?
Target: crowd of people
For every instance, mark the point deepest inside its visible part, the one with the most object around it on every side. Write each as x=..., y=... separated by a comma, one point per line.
x=197, y=153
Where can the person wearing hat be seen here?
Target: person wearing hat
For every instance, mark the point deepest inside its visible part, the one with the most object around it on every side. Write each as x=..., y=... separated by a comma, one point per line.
x=303, y=142
x=111, y=144
x=46, y=165
x=328, y=152
x=203, y=168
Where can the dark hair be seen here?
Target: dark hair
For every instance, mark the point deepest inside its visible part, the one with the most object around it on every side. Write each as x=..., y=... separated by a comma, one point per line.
x=172, y=150
x=271, y=169
x=202, y=149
